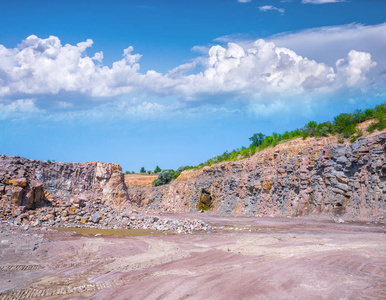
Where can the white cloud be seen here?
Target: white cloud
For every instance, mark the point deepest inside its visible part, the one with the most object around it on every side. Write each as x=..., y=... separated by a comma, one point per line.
x=98, y=56
x=259, y=69
x=244, y=1
x=19, y=109
x=321, y=1
x=44, y=66
x=182, y=69
x=65, y=104
x=328, y=44
x=271, y=8
x=262, y=68
x=242, y=70
x=355, y=67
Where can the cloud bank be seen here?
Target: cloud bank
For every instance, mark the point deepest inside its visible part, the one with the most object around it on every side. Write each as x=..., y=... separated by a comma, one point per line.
x=43, y=77
x=44, y=66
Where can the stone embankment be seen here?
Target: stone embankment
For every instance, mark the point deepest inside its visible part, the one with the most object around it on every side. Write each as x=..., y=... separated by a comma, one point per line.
x=311, y=177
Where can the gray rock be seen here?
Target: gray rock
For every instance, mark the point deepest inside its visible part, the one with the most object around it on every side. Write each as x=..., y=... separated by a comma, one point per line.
x=96, y=218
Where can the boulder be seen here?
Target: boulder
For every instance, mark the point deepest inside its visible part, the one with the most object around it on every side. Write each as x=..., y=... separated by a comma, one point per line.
x=96, y=218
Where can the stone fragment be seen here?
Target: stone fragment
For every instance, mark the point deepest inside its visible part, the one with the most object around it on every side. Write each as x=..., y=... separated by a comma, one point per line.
x=96, y=218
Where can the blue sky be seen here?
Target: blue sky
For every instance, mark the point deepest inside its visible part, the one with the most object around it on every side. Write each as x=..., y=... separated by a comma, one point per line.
x=171, y=83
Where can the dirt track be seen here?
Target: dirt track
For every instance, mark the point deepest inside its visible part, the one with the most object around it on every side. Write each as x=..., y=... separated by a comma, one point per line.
x=244, y=258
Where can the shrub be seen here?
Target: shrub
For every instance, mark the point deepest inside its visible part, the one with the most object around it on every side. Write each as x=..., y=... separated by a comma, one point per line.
x=164, y=177
x=157, y=169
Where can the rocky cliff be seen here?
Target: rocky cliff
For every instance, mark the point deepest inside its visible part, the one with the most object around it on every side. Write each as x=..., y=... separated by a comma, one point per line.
x=33, y=183
x=312, y=177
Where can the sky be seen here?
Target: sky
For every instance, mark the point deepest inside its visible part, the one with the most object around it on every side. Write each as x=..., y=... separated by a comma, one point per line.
x=172, y=83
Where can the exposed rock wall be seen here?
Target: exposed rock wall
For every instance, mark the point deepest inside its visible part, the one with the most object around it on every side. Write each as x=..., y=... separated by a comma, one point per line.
x=295, y=178
x=311, y=177
x=32, y=183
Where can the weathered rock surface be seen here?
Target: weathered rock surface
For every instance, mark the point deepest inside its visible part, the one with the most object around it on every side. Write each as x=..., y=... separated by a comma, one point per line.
x=295, y=178
x=311, y=177
x=32, y=183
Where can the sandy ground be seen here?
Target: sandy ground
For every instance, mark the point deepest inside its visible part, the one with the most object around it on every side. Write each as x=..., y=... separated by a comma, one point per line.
x=244, y=258
x=139, y=180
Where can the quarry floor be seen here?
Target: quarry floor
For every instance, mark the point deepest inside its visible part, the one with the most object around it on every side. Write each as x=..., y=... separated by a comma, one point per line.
x=242, y=258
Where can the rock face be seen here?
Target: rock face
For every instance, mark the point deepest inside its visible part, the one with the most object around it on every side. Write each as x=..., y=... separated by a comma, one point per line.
x=32, y=183
x=295, y=178
x=311, y=177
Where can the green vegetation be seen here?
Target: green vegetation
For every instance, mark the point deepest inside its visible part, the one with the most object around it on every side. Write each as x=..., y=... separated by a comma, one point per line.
x=142, y=170
x=166, y=176
x=380, y=115
x=344, y=125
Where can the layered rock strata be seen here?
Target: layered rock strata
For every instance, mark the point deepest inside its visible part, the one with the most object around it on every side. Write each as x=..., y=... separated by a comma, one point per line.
x=295, y=178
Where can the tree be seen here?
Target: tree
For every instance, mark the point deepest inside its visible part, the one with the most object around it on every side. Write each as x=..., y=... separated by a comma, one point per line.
x=142, y=170
x=157, y=169
x=311, y=128
x=344, y=122
x=257, y=139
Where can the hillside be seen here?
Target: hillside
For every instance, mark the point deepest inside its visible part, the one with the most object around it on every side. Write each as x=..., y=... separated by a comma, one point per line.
x=315, y=176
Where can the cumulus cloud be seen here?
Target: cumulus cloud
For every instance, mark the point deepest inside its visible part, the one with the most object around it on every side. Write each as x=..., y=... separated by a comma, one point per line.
x=271, y=8
x=355, y=67
x=321, y=1
x=44, y=66
x=238, y=70
x=262, y=68
x=329, y=44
